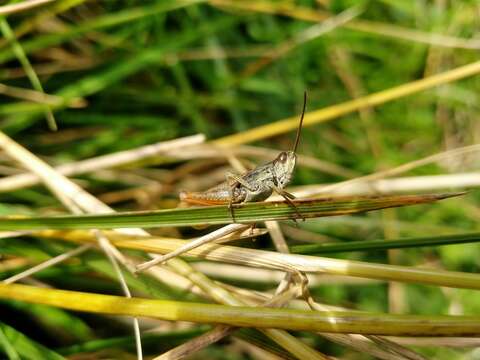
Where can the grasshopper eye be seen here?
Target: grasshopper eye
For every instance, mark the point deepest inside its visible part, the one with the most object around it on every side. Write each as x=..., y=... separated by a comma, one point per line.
x=283, y=157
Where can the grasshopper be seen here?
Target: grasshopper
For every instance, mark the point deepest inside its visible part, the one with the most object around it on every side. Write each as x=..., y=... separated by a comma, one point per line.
x=255, y=185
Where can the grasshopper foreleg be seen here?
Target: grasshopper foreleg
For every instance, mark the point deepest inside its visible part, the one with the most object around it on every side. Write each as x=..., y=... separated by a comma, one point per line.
x=288, y=198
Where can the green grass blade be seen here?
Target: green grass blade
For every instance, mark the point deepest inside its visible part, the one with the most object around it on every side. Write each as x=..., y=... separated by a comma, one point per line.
x=26, y=347
x=7, y=347
x=245, y=213
x=71, y=327
x=386, y=244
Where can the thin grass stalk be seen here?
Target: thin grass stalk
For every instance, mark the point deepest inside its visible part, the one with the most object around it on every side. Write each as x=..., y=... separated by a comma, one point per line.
x=369, y=27
x=116, y=159
x=210, y=237
x=304, y=263
x=334, y=111
x=106, y=246
x=460, y=181
x=409, y=166
x=24, y=5
x=50, y=262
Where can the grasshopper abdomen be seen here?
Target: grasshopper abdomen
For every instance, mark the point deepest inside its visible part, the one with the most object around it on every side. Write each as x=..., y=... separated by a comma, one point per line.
x=221, y=194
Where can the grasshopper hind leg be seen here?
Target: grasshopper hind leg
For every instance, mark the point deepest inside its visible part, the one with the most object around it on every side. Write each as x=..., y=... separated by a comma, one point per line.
x=236, y=189
x=231, y=201
x=230, y=208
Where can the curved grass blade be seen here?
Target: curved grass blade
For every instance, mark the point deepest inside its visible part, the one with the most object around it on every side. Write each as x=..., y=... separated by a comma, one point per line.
x=243, y=316
x=308, y=264
x=284, y=262
x=244, y=213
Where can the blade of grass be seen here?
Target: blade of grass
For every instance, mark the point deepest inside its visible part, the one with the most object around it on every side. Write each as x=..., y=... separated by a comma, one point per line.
x=8, y=347
x=246, y=213
x=242, y=316
x=387, y=244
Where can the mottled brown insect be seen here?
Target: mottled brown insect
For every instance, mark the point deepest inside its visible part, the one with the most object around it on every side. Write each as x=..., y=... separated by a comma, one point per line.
x=255, y=185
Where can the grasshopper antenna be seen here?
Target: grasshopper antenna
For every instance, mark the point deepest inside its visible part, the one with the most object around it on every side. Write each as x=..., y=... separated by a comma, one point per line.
x=297, y=139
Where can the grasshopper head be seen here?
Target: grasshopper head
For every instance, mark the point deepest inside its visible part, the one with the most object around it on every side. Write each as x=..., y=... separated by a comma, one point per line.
x=283, y=167
x=284, y=164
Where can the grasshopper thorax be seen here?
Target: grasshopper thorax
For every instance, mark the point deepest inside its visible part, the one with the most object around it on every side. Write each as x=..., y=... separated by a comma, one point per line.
x=283, y=167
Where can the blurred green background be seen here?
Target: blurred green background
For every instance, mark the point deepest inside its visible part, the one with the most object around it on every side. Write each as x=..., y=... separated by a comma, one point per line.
x=121, y=74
